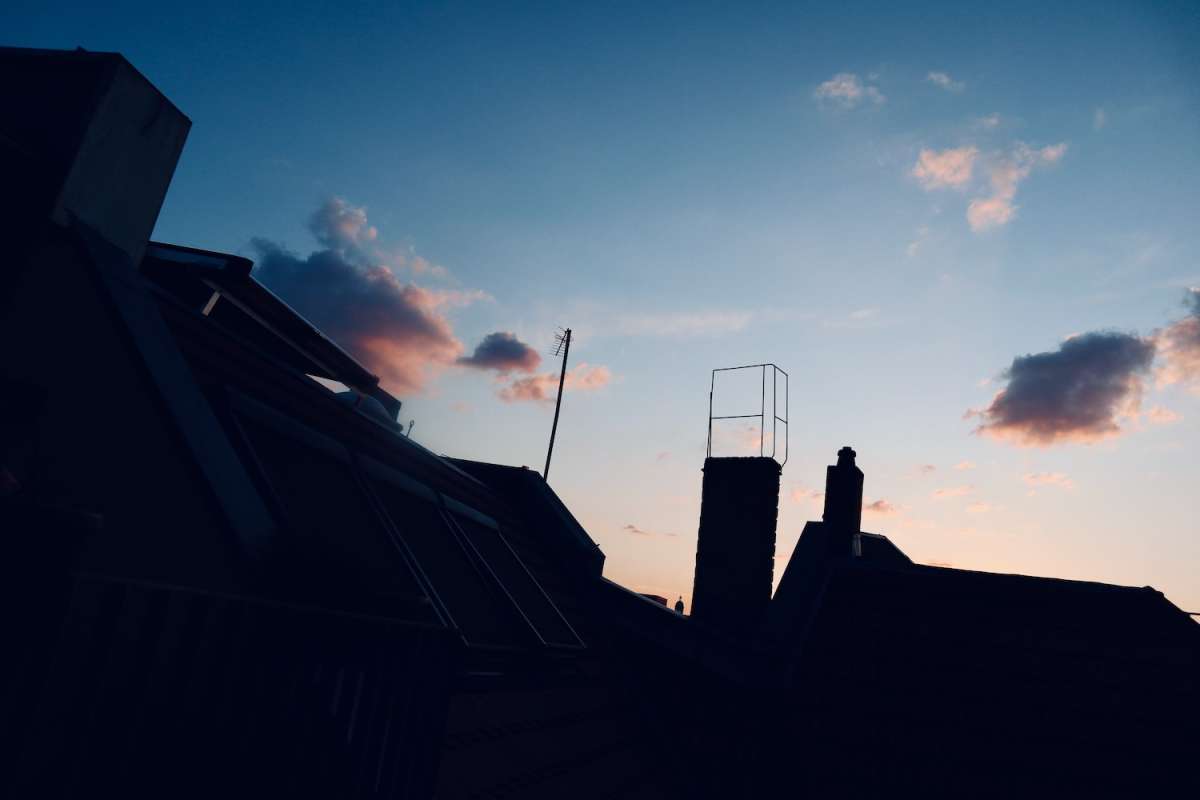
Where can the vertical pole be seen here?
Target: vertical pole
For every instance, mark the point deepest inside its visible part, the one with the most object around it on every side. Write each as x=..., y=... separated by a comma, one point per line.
x=558, y=403
x=762, y=415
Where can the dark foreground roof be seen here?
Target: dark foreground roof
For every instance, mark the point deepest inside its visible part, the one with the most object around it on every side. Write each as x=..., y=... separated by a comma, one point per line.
x=915, y=678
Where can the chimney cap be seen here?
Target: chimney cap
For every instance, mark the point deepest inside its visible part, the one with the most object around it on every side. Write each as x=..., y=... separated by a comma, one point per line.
x=846, y=456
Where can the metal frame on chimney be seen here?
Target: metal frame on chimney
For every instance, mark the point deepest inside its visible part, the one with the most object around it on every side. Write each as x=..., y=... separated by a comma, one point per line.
x=762, y=412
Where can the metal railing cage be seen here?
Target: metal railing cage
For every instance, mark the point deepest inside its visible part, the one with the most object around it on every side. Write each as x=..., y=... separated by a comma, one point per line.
x=761, y=416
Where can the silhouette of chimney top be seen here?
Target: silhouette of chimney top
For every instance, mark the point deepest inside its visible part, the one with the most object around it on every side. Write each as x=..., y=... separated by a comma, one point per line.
x=843, y=493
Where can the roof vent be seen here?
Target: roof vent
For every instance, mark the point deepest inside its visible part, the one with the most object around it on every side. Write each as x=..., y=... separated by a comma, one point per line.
x=370, y=407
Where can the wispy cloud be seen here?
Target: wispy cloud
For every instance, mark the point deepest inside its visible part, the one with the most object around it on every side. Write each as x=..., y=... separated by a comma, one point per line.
x=918, y=243
x=879, y=507
x=636, y=531
x=998, y=209
x=964, y=465
x=847, y=90
x=940, y=169
x=944, y=81
x=925, y=469
x=1162, y=416
x=988, y=121
x=802, y=495
x=952, y=491
x=980, y=508
x=1058, y=479
x=1077, y=393
x=543, y=387
x=1099, y=119
x=1179, y=345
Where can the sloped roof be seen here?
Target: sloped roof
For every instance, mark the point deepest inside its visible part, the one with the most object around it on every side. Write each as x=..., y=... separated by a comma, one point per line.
x=1012, y=683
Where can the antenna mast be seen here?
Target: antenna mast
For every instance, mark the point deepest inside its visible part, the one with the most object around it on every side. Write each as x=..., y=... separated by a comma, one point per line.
x=562, y=344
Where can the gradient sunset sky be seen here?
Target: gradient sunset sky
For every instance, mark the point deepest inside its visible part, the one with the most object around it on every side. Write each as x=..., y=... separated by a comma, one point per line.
x=967, y=231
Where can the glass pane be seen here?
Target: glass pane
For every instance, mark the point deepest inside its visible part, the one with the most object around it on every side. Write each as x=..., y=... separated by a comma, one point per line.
x=520, y=584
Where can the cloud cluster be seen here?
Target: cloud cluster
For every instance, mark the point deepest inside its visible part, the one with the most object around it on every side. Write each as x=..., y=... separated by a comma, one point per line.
x=944, y=81
x=503, y=353
x=350, y=290
x=398, y=330
x=1078, y=392
x=955, y=168
x=543, y=387
x=846, y=90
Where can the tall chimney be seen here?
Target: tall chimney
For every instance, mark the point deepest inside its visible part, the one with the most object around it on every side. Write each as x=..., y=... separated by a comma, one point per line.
x=735, y=551
x=843, y=501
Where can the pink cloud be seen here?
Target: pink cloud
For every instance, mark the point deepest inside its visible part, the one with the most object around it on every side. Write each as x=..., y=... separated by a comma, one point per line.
x=1058, y=479
x=990, y=212
x=998, y=209
x=1179, y=346
x=543, y=387
x=979, y=508
x=879, y=507
x=964, y=465
x=946, y=168
x=952, y=491
x=636, y=531
x=398, y=330
x=802, y=495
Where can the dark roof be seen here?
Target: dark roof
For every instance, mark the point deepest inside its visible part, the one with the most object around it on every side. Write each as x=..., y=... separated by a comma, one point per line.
x=526, y=490
x=1013, y=683
x=256, y=313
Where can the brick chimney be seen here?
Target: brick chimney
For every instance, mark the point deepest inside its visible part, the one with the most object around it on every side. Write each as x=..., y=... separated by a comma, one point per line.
x=735, y=551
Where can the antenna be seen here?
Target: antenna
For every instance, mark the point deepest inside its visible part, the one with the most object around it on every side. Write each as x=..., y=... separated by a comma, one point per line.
x=562, y=345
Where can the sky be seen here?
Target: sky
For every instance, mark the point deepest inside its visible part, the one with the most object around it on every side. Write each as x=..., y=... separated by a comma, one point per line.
x=966, y=231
